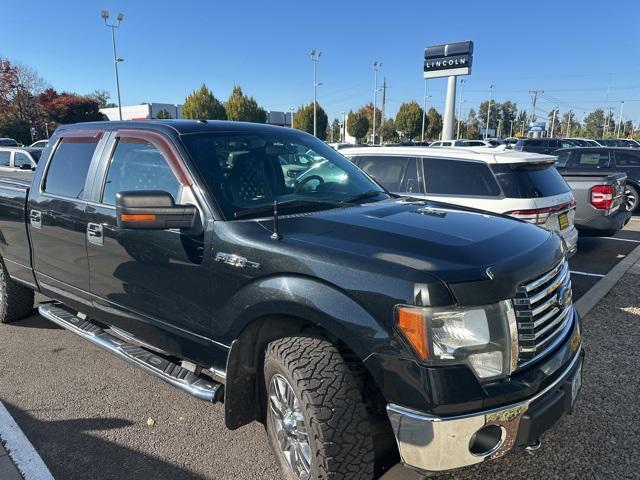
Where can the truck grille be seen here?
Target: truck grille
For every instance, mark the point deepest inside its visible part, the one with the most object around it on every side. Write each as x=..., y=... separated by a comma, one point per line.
x=543, y=310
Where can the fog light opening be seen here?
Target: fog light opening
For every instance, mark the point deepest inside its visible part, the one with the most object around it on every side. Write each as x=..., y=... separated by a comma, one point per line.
x=486, y=440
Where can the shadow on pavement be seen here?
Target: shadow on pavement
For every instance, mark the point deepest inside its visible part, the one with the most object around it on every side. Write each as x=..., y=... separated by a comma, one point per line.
x=71, y=452
x=36, y=321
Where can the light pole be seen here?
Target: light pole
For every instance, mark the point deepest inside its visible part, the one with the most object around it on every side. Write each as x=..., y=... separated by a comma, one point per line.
x=376, y=67
x=315, y=56
x=620, y=123
x=344, y=126
x=460, y=108
x=486, y=130
x=291, y=109
x=424, y=109
x=554, y=112
x=105, y=16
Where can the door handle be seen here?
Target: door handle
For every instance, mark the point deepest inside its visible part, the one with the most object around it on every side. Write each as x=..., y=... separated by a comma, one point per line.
x=94, y=234
x=35, y=218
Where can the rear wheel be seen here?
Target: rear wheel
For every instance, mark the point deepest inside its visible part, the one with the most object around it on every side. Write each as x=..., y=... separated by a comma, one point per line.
x=316, y=420
x=631, y=198
x=16, y=301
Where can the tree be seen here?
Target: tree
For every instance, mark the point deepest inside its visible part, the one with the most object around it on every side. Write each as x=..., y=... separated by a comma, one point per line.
x=571, y=128
x=496, y=114
x=335, y=131
x=102, y=97
x=357, y=125
x=69, y=108
x=388, y=130
x=203, y=105
x=303, y=120
x=409, y=120
x=594, y=124
x=472, y=125
x=241, y=108
x=367, y=111
x=521, y=122
x=434, y=124
x=163, y=114
x=509, y=112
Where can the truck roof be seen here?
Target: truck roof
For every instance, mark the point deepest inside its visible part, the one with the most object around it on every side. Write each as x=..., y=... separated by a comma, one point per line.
x=178, y=126
x=482, y=154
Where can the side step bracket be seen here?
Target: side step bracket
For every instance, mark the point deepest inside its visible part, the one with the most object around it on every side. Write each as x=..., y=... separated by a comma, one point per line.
x=197, y=385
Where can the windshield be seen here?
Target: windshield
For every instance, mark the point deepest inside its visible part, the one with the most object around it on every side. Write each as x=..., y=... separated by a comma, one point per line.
x=248, y=170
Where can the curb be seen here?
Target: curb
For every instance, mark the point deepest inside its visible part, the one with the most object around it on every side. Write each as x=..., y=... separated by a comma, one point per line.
x=590, y=299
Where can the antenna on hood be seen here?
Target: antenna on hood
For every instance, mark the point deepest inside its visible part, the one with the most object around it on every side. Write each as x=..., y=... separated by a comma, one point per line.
x=276, y=232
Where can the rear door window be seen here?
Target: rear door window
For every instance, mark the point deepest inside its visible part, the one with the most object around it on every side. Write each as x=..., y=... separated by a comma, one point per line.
x=387, y=171
x=20, y=159
x=628, y=159
x=530, y=180
x=592, y=160
x=563, y=159
x=4, y=159
x=458, y=177
x=68, y=168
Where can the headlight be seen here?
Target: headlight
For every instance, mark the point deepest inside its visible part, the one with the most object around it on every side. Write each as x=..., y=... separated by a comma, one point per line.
x=482, y=337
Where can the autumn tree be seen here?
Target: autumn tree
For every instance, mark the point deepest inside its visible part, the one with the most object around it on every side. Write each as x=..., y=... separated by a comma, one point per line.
x=357, y=125
x=241, y=108
x=434, y=124
x=367, y=111
x=409, y=120
x=69, y=108
x=203, y=105
x=303, y=120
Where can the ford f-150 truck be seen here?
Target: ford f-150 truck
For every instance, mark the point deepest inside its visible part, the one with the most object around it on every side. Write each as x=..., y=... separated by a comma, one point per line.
x=360, y=327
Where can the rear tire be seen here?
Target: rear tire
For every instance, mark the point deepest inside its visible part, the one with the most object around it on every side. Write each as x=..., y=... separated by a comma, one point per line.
x=325, y=418
x=16, y=301
x=631, y=198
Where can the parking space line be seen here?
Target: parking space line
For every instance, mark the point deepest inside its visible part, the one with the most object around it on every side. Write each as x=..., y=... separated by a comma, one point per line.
x=576, y=272
x=20, y=449
x=621, y=239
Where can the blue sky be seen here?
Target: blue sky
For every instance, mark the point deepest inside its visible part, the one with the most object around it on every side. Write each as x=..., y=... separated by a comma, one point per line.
x=581, y=53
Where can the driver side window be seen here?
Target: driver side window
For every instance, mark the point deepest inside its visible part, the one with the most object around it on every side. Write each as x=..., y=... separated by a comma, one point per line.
x=138, y=165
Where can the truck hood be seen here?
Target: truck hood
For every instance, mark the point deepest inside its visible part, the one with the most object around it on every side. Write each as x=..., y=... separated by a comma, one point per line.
x=454, y=245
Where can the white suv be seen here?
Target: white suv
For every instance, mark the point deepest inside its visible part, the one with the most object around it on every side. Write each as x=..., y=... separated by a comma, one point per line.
x=520, y=184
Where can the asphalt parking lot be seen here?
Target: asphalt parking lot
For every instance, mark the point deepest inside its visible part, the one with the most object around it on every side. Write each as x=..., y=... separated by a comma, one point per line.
x=91, y=415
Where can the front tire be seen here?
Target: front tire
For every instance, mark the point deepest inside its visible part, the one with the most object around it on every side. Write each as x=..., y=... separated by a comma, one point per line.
x=316, y=420
x=16, y=301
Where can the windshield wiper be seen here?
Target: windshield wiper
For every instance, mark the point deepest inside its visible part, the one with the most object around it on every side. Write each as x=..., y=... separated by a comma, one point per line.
x=249, y=212
x=364, y=196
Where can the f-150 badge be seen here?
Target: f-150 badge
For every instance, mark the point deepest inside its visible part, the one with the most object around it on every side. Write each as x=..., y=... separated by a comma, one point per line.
x=235, y=260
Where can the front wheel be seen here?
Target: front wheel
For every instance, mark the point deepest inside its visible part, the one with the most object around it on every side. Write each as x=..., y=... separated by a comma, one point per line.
x=316, y=420
x=16, y=301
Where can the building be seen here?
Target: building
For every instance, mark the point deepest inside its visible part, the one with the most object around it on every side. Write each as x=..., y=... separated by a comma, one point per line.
x=144, y=111
x=282, y=119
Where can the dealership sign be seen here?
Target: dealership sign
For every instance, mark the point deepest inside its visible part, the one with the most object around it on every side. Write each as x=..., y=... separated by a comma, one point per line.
x=448, y=59
x=537, y=127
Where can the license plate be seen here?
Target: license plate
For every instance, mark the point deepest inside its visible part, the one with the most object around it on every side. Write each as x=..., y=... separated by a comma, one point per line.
x=563, y=220
x=576, y=384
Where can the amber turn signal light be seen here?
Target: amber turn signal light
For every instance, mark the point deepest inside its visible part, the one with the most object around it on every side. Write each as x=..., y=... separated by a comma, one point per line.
x=413, y=326
x=130, y=217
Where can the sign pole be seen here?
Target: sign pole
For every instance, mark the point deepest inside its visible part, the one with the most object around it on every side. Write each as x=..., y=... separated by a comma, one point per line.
x=449, y=108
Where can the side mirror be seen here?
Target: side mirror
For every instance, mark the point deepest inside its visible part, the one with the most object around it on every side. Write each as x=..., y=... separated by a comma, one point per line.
x=152, y=210
x=26, y=166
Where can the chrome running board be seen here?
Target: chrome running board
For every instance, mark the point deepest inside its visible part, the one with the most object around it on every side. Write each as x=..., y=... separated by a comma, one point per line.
x=197, y=385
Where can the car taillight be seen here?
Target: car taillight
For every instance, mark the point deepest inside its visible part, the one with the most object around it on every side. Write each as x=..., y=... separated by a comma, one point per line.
x=540, y=216
x=602, y=197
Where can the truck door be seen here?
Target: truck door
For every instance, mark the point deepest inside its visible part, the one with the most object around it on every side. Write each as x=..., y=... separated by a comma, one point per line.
x=56, y=212
x=152, y=284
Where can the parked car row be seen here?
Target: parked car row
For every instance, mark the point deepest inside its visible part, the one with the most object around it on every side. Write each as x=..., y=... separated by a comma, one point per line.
x=256, y=265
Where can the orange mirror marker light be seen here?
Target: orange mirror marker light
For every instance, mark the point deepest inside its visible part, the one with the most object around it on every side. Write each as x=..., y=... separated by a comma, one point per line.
x=132, y=217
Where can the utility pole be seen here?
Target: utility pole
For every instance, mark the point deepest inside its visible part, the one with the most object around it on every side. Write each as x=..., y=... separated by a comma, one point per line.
x=606, y=123
x=376, y=67
x=569, y=123
x=486, y=130
x=460, y=108
x=499, y=128
x=105, y=16
x=384, y=101
x=315, y=56
x=620, y=122
x=553, y=119
x=534, y=100
x=424, y=109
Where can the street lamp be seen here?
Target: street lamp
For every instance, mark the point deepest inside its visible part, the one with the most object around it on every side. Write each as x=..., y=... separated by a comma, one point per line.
x=105, y=16
x=315, y=56
x=460, y=108
x=376, y=67
x=486, y=130
x=291, y=109
x=424, y=109
x=344, y=126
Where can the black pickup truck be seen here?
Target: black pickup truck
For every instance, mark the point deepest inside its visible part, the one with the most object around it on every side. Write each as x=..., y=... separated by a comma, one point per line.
x=360, y=327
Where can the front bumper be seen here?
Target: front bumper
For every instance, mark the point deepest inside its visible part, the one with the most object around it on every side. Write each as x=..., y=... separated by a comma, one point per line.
x=431, y=443
x=570, y=237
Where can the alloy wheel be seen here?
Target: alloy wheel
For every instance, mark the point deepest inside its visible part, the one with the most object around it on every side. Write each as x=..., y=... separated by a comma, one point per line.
x=630, y=198
x=290, y=426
